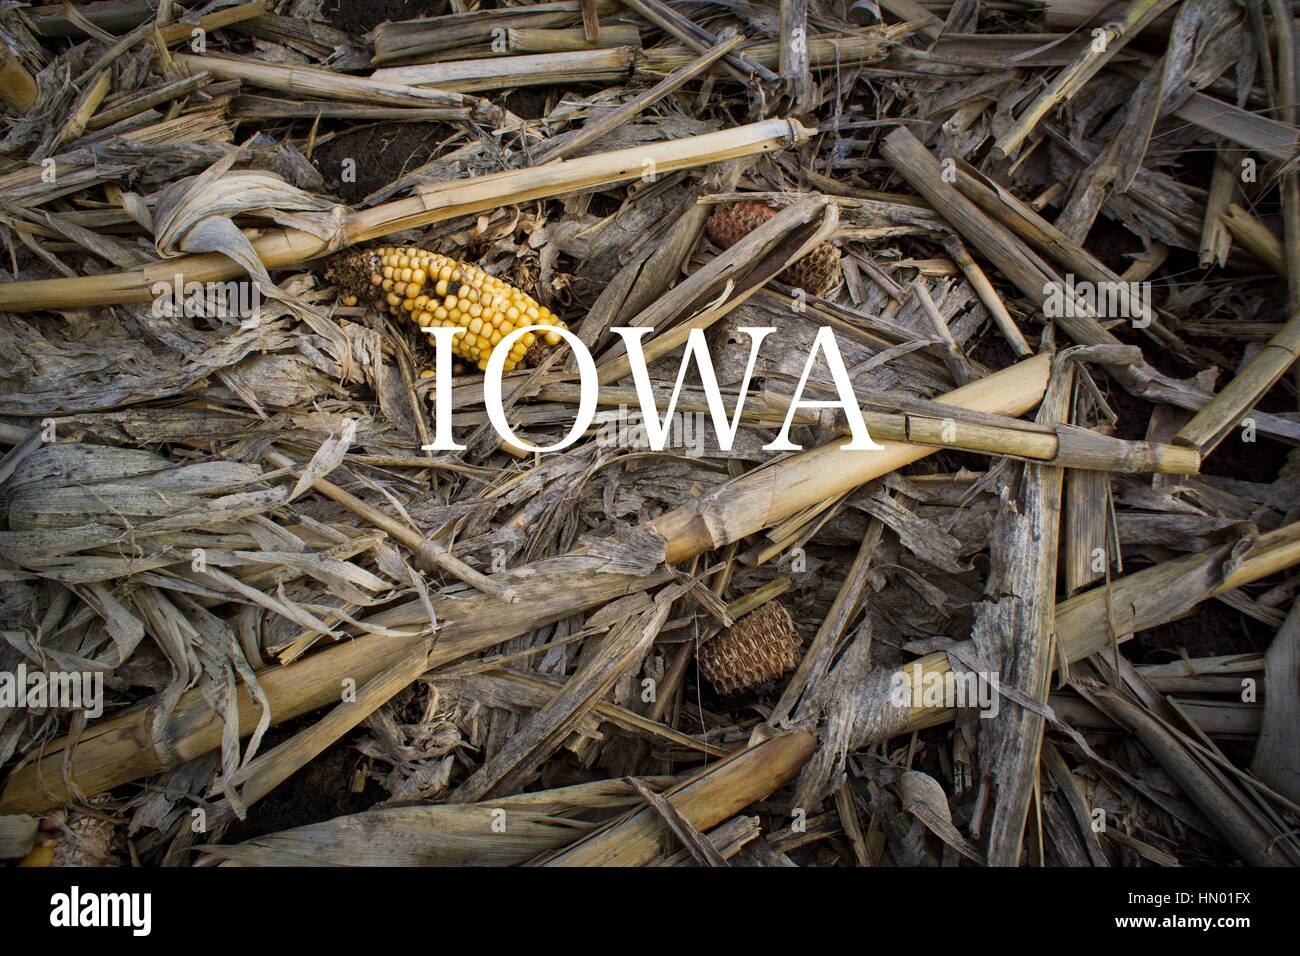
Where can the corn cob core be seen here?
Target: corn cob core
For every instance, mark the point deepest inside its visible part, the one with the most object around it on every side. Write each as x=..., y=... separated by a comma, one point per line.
x=817, y=272
x=436, y=291
x=78, y=838
x=760, y=647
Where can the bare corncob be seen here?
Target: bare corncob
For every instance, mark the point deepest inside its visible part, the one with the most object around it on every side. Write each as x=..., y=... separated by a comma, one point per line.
x=436, y=291
x=760, y=647
x=818, y=272
x=79, y=836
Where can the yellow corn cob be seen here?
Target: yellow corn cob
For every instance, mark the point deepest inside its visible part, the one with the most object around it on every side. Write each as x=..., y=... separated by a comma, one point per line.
x=435, y=291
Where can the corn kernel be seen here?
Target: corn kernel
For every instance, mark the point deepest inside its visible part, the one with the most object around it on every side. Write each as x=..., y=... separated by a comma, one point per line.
x=40, y=856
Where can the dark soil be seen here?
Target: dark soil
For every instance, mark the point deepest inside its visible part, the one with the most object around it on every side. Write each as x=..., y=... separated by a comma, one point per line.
x=1260, y=460
x=528, y=102
x=382, y=152
x=360, y=16
x=1210, y=630
x=1112, y=244
x=320, y=791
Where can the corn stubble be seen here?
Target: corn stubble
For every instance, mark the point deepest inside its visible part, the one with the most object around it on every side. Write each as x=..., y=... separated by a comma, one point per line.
x=498, y=612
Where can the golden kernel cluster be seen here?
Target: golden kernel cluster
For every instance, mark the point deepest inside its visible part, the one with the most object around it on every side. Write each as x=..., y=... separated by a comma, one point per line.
x=436, y=291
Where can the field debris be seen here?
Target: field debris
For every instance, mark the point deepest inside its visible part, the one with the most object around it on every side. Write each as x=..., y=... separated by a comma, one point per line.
x=649, y=433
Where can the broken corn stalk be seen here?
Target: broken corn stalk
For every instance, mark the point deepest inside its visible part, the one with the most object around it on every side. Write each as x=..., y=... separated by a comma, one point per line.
x=282, y=248
x=121, y=748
